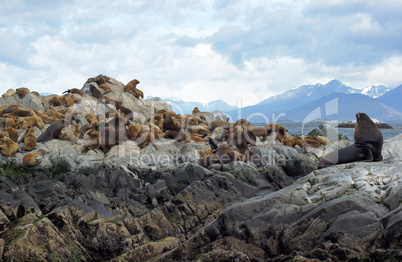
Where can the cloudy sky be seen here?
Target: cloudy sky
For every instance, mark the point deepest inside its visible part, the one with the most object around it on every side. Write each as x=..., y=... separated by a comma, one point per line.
x=201, y=50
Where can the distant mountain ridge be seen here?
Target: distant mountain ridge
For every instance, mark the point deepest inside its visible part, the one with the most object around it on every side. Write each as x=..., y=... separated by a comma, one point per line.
x=294, y=101
x=186, y=107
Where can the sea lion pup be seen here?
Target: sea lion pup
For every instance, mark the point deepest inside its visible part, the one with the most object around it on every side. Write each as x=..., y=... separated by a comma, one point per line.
x=248, y=154
x=94, y=140
x=146, y=139
x=10, y=122
x=73, y=91
x=34, y=120
x=9, y=147
x=12, y=133
x=311, y=142
x=106, y=88
x=170, y=123
x=22, y=92
x=29, y=139
x=133, y=131
x=33, y=159
x=55, y=101
x=52, y=132
x=293, y=141
x=131, y=88
x=9, y=92
x=367, y=146
x=323, y=140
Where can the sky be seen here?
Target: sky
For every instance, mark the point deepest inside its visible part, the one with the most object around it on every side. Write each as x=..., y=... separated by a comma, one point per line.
x=201, y=50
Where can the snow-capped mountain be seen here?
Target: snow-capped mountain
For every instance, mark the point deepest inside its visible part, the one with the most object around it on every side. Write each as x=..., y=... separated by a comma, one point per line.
x=186, y=107
x=309, y=93
x=297, y=97
x=375, y=91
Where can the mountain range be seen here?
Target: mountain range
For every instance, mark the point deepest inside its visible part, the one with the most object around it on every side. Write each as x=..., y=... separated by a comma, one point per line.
x=186, y=107
x=333, y=100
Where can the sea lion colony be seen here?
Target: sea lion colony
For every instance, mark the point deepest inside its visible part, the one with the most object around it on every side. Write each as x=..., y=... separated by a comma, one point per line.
x=103, y=131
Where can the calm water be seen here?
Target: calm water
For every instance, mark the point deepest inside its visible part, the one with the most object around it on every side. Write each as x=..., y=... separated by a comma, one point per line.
x=299, y=129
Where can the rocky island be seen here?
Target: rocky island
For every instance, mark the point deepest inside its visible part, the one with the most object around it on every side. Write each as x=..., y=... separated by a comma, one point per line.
x=146, y=196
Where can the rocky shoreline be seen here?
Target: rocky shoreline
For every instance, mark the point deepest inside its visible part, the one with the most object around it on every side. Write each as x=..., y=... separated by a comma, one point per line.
x=157, y=203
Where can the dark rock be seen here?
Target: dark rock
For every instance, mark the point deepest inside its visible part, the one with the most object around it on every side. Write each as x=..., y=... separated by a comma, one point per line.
x=299, y=166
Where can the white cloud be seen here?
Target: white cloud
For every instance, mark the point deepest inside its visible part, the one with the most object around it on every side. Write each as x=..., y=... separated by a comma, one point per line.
x=199, y=50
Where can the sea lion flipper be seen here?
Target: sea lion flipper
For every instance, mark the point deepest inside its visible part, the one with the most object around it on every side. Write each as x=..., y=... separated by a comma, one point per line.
x=213, y=143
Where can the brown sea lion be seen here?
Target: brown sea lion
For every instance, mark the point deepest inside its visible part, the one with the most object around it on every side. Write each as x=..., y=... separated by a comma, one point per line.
x=84, y=129
x=30, y=139
x=68, y=101
x=323, y=140
x=55, y=101
x=131, y=88
x=52, y=132
x=33, y=159
x=124, y=110
x=146, y=139
x=208, y=158
x=259, y=131
x=9, y=92
x=248, y=154
x=196, y=110
x=106, y=88
x=9, y=147
x=35, y=93
x=170, y=123
x=22, y=92
x=311, y=142
x=293, y=141
x=91, y=118
x=133, y=130
x=74, y=91
x=367, y=146
x=94, y=140
x=10, y=122
x=96, y=93
x=107, y=137
x=217, y=123
x=13, y=134
x=34, y=120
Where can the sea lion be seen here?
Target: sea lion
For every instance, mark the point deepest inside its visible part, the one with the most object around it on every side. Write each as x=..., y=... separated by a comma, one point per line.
x=124, y=110
x=68, y=101
x=19, y=112
x=9, y=147
x=52, y=132
x=217, y=123
x=259, y=131
x=91, y=118
x=30, y=139
x=10, y=122
x=196, y=110
x=34, y=120
x=35, y=93
x=248, y=154
x=106, y=88
x=107, y=137
x=22, y=92
x=323, y=140
x=94, y=140
x=170, y=123
x=367, y=146
x=33, y=159
x=84, y=129
x=131, y=88
x=9, y=92
x=74, y=91
x=13, y=134
x=96, y=93
x=146, y=139
x=293, y=141
x=133, y=131
x=55, y=101
x=311, y=142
